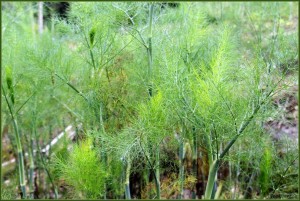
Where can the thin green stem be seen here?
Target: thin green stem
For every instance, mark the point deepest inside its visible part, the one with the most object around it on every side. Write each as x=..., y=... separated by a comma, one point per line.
x=91, y=52
x=228, y=107
x=42, y=157
x=31, y=174
x=214, y=168
x=72, y=87
x=127, y=176
x=181, y=168
x=157, y=182
x=211, y=179
x=31, y=164
x=105, y=161
x=157, y=172
x=69, y=109
x=48, y=173
x=215, y=165
x=149, y=50
x=111, y=58
x=24, y=103
x=19, y=147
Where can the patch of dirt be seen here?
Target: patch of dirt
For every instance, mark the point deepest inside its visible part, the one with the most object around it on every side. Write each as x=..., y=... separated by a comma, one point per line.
x=287, y=126
x=291, y=25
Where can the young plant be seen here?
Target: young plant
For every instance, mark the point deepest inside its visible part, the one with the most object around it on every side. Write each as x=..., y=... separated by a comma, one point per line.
x=84, y=171
x=153, y=113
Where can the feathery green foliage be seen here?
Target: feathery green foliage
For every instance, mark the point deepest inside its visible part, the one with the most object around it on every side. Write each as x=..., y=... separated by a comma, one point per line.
x=84, y=171
x=265, y=168
x=148, y=82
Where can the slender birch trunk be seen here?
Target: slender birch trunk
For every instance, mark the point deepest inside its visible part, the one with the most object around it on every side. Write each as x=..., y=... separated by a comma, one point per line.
x=40, y=17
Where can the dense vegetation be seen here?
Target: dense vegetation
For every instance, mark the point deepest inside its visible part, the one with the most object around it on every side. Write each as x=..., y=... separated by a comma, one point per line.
x=150, y=100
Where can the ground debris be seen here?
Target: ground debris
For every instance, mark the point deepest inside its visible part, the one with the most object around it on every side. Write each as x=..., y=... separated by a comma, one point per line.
x=287, y=125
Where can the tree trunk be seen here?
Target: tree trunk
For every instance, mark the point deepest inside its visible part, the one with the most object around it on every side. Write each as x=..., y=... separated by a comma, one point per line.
x=40, y=17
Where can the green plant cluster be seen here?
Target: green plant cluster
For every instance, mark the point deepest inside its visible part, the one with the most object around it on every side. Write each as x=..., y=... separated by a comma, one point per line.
x=148, y=85
x=83, y=170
